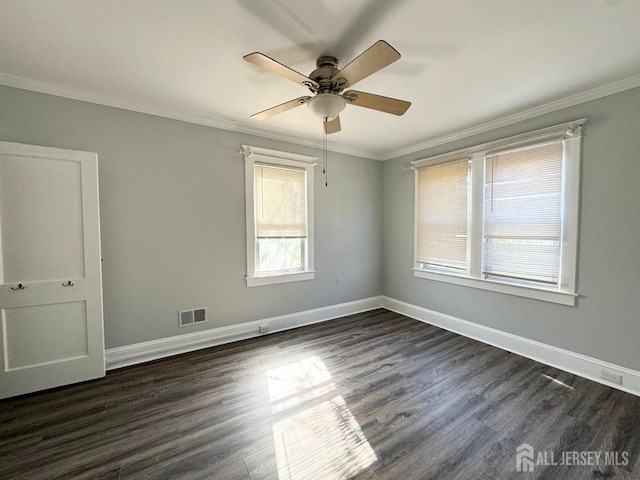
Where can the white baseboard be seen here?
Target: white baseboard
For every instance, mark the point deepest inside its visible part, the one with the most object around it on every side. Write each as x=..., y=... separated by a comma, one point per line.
x=566, y=360
x=578, y=364
x=165, y=347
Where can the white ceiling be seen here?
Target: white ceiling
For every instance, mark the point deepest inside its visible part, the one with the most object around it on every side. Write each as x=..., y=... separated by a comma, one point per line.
x=464, y=62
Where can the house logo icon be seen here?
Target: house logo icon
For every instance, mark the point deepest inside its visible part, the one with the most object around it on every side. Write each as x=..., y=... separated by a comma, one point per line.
x=524, y=458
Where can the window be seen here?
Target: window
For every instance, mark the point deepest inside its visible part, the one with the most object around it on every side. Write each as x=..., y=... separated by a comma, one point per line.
x=522, y=217
x=279, y=209
x=503, y=216
x=442, y=216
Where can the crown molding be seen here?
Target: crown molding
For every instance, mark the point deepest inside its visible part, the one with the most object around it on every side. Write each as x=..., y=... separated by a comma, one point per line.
x=555, y=105
x=222, y=124
x=240, y=127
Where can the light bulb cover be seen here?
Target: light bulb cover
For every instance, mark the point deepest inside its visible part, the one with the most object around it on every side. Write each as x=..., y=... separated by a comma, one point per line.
x=327, y=105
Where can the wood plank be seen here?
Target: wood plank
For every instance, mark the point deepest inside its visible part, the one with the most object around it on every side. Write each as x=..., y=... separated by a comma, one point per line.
x=388, y=397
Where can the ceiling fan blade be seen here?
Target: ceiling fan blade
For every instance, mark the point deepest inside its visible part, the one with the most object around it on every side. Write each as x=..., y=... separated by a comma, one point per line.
x=374, y=58
x=333, y=126
x=283, y=107
x=268, y=63
x=376, y=102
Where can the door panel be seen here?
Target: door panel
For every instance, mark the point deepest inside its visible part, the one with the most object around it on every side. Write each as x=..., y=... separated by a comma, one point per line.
x=50, y=275
x=44, y=334
x=41, y=219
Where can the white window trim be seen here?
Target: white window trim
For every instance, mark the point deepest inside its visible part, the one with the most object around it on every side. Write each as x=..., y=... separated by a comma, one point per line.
x=257, y=154
x=537, y=293
x=566, y=293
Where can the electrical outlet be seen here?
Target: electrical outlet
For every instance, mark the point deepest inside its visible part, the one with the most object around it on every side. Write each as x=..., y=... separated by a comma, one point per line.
x=264, y=328
x=338, y=280
x=612, y=377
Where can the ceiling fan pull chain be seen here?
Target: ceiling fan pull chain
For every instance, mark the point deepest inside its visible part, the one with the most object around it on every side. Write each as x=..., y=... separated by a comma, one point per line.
x=324, y=148
x=325, y=167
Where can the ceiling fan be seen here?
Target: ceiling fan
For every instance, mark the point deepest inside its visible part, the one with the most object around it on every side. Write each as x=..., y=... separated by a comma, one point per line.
x=327, y=83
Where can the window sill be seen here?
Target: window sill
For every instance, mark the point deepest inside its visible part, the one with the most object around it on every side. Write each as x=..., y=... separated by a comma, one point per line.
x=553, y=296
x=260, y=280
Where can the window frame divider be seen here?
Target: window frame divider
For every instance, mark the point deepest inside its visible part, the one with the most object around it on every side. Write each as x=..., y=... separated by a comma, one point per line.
x=476, y=213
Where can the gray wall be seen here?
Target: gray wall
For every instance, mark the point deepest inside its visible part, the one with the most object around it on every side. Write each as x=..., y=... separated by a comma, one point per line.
x=173, y=236
x=173, y=217
x=605, y=324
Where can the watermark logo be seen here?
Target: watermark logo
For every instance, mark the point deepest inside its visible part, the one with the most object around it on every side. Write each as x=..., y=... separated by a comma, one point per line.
x=524, y=458
x=527, y=458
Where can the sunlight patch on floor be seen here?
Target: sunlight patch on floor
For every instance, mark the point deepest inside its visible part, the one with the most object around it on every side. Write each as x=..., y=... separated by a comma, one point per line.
x=296, y=377
x=555, y=380
x=304, y=397
x=323, y=441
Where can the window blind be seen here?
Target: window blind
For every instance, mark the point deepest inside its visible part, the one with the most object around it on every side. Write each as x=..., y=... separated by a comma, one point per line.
x=280, y=202
x=522, y=214
x=442, y=215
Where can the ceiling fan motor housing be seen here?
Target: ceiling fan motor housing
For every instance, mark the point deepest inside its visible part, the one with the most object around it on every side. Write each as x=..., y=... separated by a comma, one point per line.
x=326, y=67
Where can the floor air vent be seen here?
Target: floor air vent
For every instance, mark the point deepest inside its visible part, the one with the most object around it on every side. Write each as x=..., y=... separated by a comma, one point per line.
x=191, y=317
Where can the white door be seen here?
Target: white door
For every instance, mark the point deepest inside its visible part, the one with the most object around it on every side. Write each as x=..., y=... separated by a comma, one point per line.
x=50, y=273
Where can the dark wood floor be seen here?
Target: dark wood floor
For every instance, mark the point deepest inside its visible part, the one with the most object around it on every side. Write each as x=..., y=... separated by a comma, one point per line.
x=371, y=396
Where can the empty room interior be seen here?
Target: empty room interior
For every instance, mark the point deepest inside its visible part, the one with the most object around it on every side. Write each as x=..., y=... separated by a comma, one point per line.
x=420, y=262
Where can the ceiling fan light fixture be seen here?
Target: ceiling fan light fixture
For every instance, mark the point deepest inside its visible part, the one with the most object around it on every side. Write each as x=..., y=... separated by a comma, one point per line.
x=327, y=105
